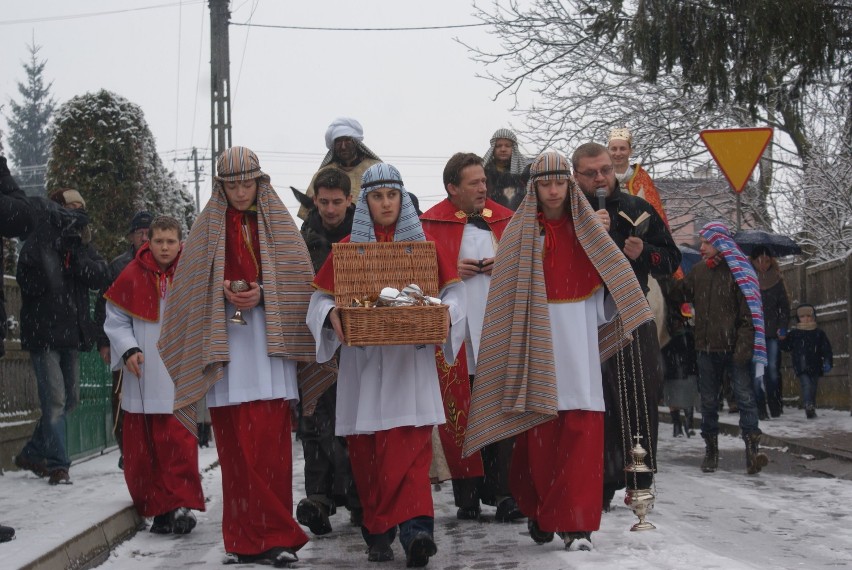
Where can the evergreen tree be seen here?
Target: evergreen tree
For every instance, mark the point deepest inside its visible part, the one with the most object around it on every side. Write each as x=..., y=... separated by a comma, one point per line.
x=29, y=121
x=102, y=146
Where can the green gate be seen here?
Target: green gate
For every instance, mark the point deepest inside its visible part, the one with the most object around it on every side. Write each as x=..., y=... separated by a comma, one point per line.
x=89, y=426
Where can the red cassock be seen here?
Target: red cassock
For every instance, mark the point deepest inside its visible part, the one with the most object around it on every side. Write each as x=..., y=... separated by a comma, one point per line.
x=446, y=224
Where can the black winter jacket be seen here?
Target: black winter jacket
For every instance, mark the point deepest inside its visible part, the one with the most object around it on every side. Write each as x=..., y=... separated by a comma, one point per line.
x=776, y=309
x=319, y=240
x=501, y=185
x=660, y=255
x=810, y=350
x=15, y=221
x=55, y=272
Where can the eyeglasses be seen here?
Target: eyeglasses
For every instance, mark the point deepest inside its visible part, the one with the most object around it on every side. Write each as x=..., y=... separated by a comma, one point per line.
x=605, y=171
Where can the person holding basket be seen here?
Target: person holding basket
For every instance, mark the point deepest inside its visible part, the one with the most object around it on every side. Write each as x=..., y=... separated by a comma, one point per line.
x=388, y=395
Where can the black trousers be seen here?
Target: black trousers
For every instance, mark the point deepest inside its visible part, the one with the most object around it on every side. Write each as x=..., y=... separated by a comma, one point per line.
x=328, y=473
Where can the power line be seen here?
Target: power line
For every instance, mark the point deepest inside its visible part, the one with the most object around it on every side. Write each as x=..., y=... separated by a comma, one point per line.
x=323, y=29
x=93, y=14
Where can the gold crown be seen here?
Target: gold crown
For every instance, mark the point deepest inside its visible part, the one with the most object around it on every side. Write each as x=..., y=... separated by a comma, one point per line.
x=622, y=134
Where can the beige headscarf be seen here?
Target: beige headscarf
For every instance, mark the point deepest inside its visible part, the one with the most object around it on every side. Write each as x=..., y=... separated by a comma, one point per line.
x=194, y=341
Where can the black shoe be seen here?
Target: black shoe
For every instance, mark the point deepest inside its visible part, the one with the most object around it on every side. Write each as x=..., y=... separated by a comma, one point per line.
x=810, y=412
x=538, y=535
x=468, y=513
x=419, y=551
x=711, y=453
x=162, y=524
x=356, y=516
x=7, y=533
x=313, y=515
x=59, y=477
x=183, y=520
x=380, y=550
x=278, y=557
x=121, y=462
x=508, y=511
x=29, y=465
x=577, y=541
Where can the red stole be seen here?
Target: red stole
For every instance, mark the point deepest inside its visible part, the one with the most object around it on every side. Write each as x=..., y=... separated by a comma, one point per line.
x=242, y=245
x=447, y=223
x=138, y=289
x=569, y=275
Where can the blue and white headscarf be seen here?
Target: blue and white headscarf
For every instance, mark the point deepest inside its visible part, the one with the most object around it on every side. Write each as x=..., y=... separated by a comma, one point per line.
x=719, y=237
x=408, y=227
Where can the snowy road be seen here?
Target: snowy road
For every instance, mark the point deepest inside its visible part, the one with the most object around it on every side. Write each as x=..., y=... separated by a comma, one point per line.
x=787, y=517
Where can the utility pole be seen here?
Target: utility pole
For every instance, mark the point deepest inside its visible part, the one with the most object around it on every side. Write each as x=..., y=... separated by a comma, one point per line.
x=198, y=170
x=220, y=79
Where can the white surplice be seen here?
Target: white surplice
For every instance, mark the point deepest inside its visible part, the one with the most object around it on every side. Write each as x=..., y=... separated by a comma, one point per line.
x=384, y=387
x=155, y=394
x=251, y=374
x=574, y=332
x=476, y=244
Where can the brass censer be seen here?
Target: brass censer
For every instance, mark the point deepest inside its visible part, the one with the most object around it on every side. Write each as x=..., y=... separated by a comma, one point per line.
x=640, y=501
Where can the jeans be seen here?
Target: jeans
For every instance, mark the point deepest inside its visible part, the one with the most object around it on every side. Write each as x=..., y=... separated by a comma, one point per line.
x=770, y=380
x=58, y=379
x=711, y=367
x=408, y=530
x=808, y=384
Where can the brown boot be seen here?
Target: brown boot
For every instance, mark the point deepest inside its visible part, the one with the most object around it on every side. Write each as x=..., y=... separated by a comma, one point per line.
x=755, y=459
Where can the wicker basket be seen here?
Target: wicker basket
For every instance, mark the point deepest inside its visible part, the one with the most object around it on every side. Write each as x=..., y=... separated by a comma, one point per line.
x=362, y=269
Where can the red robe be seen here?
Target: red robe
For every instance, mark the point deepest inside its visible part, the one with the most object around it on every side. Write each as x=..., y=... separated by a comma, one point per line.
x=446, y=223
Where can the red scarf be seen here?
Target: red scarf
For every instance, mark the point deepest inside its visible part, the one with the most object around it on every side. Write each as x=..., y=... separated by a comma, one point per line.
x=242, y=253
x=568, y=273
x=138, y=289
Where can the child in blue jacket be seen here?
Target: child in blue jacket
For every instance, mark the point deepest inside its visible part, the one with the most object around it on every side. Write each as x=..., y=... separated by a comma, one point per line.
x=811, y=352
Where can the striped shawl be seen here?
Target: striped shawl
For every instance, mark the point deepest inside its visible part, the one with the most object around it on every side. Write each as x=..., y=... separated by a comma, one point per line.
x=194, y=343
x=515, y=384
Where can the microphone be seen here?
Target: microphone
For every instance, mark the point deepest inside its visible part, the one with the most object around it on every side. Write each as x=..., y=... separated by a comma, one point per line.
x=601, y=194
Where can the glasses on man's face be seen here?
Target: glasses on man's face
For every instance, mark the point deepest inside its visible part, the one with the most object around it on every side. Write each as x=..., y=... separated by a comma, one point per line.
x=590, y=174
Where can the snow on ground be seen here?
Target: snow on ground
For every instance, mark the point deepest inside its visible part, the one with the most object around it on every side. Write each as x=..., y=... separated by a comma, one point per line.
x=787, y=517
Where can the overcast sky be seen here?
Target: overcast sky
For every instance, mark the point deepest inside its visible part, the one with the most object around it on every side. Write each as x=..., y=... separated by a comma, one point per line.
x=415, y=92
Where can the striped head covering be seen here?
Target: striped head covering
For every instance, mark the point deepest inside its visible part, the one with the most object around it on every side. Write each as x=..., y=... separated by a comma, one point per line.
x=719, y=237
x=408, y=228
x=345, y=127
x=238, y=163
x=515, y=384
x=517, y=163
x=194, y=342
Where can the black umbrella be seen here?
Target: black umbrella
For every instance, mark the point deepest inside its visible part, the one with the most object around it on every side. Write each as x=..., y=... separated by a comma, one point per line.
x=778, y=245
x=688, y=257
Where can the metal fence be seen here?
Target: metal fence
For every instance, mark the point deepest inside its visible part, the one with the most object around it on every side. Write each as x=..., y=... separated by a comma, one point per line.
x=89, y=427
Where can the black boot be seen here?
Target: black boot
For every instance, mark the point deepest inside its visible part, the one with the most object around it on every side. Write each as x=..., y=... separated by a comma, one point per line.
x=688, y=421
x=711, y=453
x=755, y=459
x=677, y=427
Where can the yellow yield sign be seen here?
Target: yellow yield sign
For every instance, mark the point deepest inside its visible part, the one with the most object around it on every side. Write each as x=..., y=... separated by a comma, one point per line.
x=737, y=151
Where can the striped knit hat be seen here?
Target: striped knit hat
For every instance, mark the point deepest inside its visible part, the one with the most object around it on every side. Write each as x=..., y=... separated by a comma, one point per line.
x=719, y=237
x=238, y=163
x=518, y=162
x=408, y=228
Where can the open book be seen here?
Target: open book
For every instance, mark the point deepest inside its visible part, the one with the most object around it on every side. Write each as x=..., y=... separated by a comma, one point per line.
x=640, y=224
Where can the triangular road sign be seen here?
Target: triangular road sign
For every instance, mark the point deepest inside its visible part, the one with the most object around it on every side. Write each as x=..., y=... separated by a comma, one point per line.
x=737, y=151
